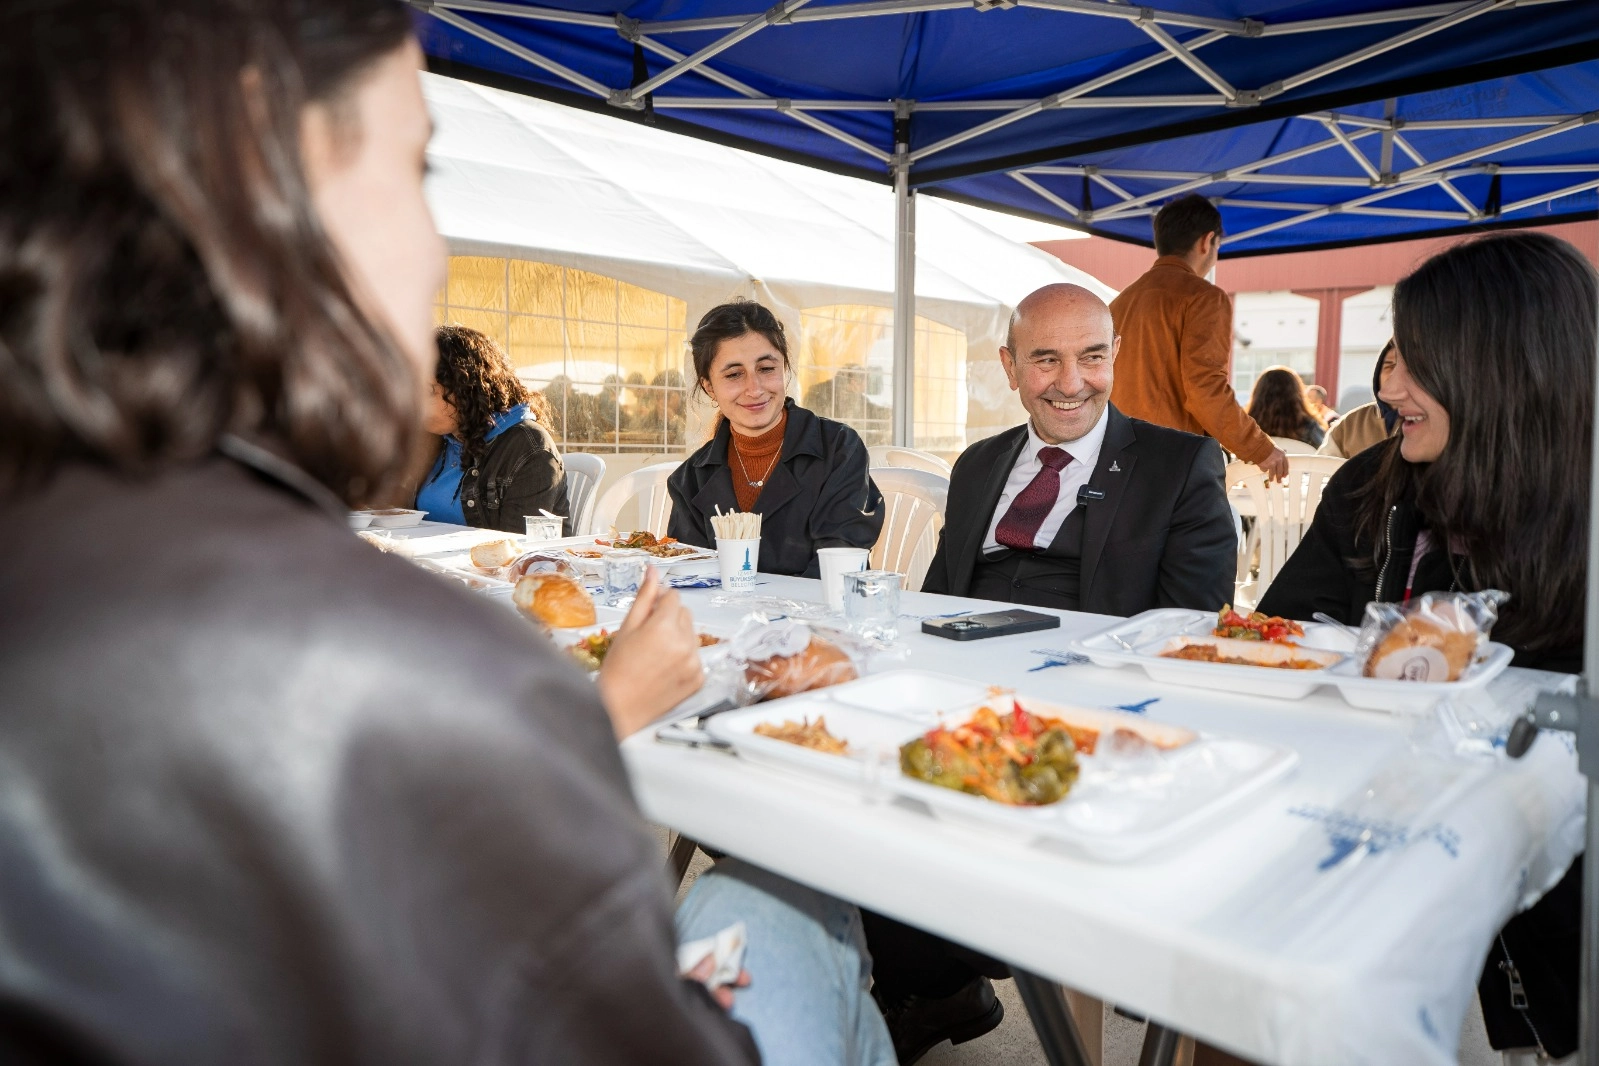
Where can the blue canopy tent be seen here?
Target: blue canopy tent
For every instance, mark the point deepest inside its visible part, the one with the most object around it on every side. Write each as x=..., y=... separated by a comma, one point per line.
x=1312, y=124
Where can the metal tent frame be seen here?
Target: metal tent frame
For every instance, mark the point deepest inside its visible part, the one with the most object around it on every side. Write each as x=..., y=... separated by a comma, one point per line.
x=1255, y=187
x=1356, y=144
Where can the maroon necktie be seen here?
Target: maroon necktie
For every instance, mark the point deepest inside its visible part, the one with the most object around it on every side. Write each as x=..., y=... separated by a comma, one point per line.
x=1033, y=504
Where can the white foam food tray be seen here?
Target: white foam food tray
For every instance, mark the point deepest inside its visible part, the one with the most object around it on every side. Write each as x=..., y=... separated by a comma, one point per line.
x=588, y=553
x=1139, y=640
x=1119, y=809
x=567, y=638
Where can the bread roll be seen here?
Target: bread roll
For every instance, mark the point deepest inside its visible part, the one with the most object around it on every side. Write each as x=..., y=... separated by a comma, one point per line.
x=494, y=554
x=820, y=664
x=554, y=599
x=1419, y=648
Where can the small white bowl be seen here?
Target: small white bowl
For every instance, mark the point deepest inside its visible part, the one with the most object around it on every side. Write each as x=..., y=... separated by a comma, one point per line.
x=360, y=519
x=396, y=518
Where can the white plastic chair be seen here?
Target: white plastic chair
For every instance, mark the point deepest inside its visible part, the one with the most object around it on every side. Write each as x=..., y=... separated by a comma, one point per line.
x=584, y=473
x=913, y=514
x=1282, y=513
x=909, y=458
x=648, y=485
x=1294, y=446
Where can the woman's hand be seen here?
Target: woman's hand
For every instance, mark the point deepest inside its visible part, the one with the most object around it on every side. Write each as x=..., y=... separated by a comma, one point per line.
x=723, y=994
x=654, y=661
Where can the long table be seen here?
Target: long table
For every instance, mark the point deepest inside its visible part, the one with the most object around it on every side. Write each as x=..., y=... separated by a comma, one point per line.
x=1340, y=916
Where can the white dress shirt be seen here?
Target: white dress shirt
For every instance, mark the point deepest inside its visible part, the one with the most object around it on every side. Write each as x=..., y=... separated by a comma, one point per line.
x=1073, y=476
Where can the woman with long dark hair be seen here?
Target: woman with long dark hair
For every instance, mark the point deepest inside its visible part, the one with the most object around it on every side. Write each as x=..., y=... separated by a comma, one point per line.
x=1278, y=405
x=1487, y=486
x=270, y=795
x=807, y=476
x=496, y=462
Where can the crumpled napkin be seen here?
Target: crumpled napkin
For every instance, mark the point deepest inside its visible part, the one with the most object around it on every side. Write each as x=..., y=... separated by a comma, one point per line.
x=728, y=949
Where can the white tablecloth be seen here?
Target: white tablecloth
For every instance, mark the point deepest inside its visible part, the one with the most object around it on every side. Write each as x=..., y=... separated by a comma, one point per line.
x=1305, y=928
x=1254, y=936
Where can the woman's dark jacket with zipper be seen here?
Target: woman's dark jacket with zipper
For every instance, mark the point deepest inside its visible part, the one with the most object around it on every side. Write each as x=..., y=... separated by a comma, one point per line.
x=1336, y=570
x=519, y=474
x=819, y=495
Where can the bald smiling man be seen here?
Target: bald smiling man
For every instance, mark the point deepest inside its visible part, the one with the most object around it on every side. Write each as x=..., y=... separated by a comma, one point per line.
x=1083, y=508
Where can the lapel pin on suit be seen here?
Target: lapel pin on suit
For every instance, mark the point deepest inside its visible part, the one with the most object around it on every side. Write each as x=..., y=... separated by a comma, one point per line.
x=1115, y=467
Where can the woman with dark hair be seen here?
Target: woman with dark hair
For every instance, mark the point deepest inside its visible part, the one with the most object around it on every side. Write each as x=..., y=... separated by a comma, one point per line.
x=807, y=476
x=1370, y=423
x=308, y=803
x=1278, y=405
x=1487, y=486
x=496, y=462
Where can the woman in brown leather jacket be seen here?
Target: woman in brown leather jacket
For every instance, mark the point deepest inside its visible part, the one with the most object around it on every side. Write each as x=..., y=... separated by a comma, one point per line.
x=268, y=795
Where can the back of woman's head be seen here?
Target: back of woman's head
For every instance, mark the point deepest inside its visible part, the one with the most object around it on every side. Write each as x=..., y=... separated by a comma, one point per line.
x=1278, y=405
x=1501, y=332
x=164, y=277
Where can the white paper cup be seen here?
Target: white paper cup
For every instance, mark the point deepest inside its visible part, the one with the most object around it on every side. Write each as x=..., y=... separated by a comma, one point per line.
x=740, y=561
x=835, y=563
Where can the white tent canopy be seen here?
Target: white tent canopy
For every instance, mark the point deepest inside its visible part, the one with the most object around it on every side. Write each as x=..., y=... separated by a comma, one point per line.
x=515, y=176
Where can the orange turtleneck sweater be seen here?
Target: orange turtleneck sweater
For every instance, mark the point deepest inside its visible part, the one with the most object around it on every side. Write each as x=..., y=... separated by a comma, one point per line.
x=753, y=459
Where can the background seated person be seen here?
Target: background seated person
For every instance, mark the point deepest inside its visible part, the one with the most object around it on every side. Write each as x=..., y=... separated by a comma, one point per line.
x=805, y=475
x=495, y=461
x=1280, y=406
x=1370, y=423
x=1083, y=508
x=1487, y=486
x=1316, y=400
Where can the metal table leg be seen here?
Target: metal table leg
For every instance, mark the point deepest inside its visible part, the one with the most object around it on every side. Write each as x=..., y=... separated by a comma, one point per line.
x=1052, y=1020
x=1160, y=1046
x=679, y=857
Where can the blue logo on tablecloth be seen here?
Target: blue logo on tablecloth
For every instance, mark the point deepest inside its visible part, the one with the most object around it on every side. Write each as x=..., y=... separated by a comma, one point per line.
x=1348, y=833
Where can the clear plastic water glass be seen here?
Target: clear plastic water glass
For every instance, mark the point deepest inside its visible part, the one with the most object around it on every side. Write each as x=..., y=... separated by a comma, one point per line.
x=871, y=603
x=542, y=526
x=624, y=573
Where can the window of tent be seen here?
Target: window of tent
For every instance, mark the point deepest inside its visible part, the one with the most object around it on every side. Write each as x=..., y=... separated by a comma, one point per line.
x=610, y=358
x=845, y=371
x=1367, y=325
x=1273, y=329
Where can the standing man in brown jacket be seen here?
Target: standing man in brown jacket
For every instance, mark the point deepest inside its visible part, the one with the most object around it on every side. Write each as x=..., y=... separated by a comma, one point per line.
x=1177, y=340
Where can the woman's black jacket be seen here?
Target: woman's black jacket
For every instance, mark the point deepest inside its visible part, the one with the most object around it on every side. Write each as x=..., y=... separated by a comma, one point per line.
x=1336, y=570
x=819, y=495
x=519, y=474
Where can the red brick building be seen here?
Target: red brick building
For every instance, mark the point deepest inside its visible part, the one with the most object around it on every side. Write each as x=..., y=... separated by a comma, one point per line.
x=1328, y=277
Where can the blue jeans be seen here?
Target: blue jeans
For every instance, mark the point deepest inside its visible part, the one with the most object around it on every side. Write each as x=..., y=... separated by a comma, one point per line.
x=807, y=1002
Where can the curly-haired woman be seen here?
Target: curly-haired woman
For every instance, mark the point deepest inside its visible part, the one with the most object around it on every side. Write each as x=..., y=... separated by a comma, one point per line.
x=496, y=461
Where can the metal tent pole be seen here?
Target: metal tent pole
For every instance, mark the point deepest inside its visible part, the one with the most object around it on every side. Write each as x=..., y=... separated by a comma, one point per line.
x=1580, y=714
x=904, y=285
x=1588, y=762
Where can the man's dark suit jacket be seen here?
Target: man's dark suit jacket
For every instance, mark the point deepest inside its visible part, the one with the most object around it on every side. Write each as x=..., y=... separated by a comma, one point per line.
x=1163, y=536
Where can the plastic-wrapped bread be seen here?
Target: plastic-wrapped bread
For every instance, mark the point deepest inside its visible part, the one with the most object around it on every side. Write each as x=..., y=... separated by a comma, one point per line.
x=537, y=562
x=818, y=664
x=1434, y=637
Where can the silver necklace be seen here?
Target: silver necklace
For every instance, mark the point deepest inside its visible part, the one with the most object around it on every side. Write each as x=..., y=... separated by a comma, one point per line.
x=755, y=484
